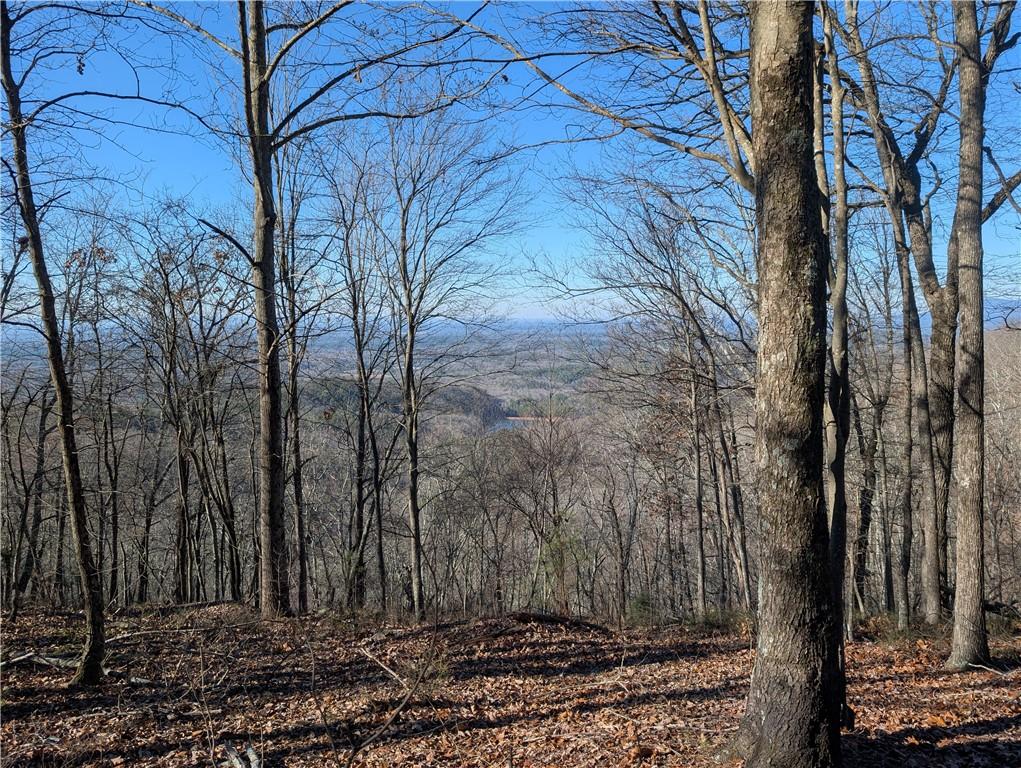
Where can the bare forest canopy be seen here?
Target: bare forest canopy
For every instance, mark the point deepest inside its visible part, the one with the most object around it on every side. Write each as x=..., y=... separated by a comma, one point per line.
x=592, y=314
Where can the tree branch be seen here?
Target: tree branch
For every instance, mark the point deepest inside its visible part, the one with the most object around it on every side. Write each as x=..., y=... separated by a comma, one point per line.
x=187, y=23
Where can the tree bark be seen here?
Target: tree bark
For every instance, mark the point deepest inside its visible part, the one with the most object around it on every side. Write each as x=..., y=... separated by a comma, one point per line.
x=868, y=445
x=905, y=204
x=793, y=710
x=838, y=393
x=182, y=578
x=902, y=541
x=933, y=393
x=274, y=590
x=700, y=586
x=414, y=510
x=288, y=268
x=929, y=506
x=377, y=514
x=357, y=539
x=970, y=644
x=297, y=483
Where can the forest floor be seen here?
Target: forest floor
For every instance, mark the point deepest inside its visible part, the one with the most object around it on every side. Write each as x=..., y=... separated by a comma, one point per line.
x=187, y=687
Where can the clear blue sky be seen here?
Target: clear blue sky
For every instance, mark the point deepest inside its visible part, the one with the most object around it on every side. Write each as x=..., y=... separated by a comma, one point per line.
x=153, y=150
x=158, y=150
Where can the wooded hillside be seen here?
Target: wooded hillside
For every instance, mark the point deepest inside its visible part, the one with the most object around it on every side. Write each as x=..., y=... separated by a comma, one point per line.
x=378, y=352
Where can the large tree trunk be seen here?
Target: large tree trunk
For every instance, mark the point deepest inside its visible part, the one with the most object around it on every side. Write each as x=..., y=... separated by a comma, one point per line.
x=793, y=711
x=89, y=671
x=274, y=591
x=922, y=435
x=934, y=394
x=970, y=645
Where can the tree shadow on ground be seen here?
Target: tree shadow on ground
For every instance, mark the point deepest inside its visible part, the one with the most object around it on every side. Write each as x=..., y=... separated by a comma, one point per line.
x=557, y=658
x=409, y=725
x=933, y=746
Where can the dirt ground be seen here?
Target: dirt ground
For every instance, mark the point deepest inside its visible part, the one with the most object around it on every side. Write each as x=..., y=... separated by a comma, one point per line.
x=186, y=687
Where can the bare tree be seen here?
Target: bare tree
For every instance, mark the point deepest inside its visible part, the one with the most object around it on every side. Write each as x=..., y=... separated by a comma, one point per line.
x=793, y=711
x=356, y=193
x=838, y=392
x=447, y=200
x=904, y=148
x=263, y=135
x=22, y=556
x=89, y=671
x=970, y=645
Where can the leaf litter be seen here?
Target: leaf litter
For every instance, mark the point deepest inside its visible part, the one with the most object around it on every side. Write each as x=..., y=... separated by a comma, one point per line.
x=208, y=686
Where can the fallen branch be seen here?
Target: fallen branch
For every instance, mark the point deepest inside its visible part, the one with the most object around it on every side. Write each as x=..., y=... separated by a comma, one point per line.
x=392, y=674
x=37, y=658
x=423, y=671
x=237, y=761
x=989, y=669
x=212, y=628
x=62, y=663
x=15, y=660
